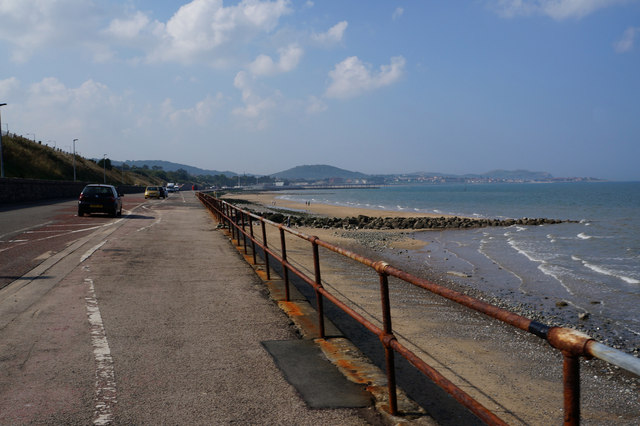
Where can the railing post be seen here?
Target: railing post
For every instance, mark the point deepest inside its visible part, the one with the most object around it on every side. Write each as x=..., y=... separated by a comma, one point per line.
x=244, y=235
x=231, y=221
x=388, y=331
x=319, y=299
x=285, y=270
x=571, y=383
x=253, y=244
x=266, y=255
x=234, y=219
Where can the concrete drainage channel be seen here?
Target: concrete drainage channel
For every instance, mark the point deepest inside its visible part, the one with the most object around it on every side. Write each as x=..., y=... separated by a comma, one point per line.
x=329, y=372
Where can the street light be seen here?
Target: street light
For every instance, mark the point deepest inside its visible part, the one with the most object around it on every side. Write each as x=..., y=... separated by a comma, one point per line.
x=74, y=159
x=1, y=160
x=104, y=167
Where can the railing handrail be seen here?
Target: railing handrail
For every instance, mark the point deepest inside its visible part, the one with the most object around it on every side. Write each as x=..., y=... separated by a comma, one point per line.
x=572, y=343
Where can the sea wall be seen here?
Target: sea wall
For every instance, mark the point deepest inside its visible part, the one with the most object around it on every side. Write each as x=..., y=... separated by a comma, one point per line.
x=13, y=190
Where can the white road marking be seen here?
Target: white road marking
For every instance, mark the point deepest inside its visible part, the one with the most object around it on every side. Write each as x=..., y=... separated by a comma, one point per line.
x=45, y=255
x=144, y=228
x=18, y=231
x=105, y=384
x=92, y=250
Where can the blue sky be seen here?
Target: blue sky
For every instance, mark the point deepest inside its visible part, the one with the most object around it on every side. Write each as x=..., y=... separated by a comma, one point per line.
x=372, y=86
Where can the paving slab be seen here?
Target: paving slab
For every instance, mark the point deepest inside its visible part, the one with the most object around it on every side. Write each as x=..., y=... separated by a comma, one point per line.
x=317, y=380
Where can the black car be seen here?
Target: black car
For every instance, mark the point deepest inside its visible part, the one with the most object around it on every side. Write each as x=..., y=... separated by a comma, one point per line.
x=98, y=198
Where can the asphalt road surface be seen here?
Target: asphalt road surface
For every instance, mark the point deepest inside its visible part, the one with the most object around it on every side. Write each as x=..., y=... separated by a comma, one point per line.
x=146, y=319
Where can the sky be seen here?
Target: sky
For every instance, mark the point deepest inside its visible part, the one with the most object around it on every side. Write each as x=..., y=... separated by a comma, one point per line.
x=375, y=86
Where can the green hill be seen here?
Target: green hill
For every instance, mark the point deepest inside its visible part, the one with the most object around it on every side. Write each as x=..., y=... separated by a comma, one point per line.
x=173, y=167
x=24, y=158
x=317, y=172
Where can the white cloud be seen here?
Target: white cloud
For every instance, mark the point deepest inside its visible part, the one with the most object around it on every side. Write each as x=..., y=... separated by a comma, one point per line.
x=289, y=59
x=255, y=105
x=195, y=33
x=352, y=77
x=30, y=25
x=202, y=26
x=556, y=9
x=332, y=36
x=397, y=13
x=200, y=114
x=52, y=93
x=129, y=28
x=625, y=44
x=54, y=111
x=315, y=105
x=8, y=87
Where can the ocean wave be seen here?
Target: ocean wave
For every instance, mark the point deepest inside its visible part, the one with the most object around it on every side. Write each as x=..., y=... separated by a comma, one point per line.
x=606, y=271
x=482, y=251
x=557, y=273
x=584, y=236
x=523, y=252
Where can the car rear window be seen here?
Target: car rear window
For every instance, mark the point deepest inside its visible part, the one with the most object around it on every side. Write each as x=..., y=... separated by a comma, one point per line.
x=97, y=190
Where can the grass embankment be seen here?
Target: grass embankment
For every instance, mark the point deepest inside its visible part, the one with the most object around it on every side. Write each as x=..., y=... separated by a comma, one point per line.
x=24, y=158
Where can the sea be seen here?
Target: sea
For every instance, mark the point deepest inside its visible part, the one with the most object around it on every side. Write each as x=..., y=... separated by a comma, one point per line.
x=584, y=274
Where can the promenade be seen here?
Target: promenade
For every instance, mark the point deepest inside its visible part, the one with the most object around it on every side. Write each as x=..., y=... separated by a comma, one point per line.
x=156, y=320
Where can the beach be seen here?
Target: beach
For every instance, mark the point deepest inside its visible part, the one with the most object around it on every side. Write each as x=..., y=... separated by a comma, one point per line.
x=491, y=361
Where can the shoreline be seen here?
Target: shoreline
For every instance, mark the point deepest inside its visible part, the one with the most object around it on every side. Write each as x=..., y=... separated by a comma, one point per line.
x=418, y=252
x=270, y=200
x=473, y=349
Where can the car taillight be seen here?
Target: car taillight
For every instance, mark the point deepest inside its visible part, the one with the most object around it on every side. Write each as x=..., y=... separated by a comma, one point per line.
x=81, y=196
x=113, y=198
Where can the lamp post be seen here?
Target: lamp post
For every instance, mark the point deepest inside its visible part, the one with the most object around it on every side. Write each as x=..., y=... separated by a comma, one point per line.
x=104, y=166
x=1, y=159
x=74, y=159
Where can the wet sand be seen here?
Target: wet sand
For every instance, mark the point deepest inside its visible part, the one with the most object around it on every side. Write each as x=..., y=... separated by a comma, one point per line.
x=514, y=373
x=269, y=199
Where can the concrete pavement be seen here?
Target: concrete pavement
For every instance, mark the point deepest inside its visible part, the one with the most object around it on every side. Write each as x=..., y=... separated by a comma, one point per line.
x=155, y=321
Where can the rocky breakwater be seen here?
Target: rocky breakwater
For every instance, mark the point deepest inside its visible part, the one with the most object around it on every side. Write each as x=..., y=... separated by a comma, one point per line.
x=384, y=223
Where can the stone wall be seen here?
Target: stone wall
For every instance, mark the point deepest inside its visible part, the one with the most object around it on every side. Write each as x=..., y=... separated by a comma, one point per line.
x=14, y=190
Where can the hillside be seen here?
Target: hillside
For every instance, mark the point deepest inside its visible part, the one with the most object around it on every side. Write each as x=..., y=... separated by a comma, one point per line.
x=173, y=167
x=24, y=158
x=317, y=172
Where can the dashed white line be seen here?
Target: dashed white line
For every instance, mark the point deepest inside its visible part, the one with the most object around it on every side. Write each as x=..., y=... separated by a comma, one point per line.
x=105, y=381
x=92, y=250
x=144, y=228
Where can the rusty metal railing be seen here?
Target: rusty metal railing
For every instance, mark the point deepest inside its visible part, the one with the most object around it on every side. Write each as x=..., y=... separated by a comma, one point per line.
x=572, y=343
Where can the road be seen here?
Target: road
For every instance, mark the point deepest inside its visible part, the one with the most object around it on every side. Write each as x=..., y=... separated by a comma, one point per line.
x=32, y=233
x=149, y=318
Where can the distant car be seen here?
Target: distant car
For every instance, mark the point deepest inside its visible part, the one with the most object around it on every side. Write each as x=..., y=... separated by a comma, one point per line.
x=153, y=192
x=97, y=198
x=165, y=193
